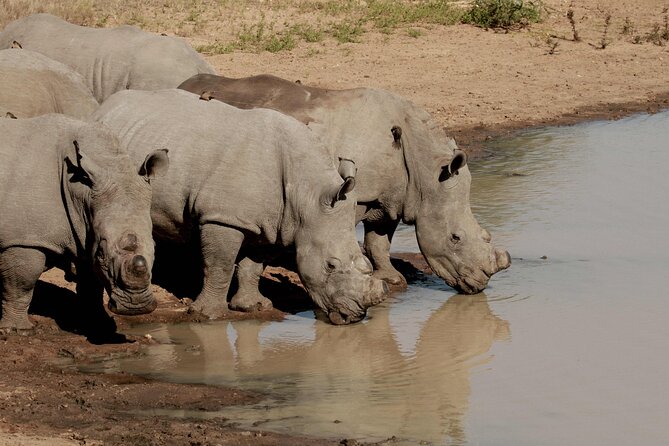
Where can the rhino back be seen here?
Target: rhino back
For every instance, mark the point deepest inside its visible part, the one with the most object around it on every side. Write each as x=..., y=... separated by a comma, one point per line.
x=353, y=123
x=226, y=165
x=31, y=205
x=34, y=85
x=110, y=60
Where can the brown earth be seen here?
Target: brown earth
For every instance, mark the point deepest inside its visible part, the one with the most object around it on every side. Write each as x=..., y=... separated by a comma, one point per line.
x=477, y=83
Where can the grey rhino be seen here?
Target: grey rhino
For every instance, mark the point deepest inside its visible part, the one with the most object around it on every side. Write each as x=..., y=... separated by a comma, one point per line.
x=109, y=59
x=34, y=85
x=408, y=170
x=68, y=193
x=244, y=181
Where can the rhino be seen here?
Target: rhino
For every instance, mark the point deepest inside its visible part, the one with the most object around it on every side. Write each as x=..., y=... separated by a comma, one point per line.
x=109, y=59
x=408, y=170
x=70, y=195
x=34, y=85
x=247, y=184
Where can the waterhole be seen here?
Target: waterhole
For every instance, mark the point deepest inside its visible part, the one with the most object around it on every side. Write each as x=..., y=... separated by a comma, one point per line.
x=568, y=346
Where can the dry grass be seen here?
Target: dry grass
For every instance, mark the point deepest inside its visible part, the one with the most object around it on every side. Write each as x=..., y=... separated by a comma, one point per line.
x=226, y=24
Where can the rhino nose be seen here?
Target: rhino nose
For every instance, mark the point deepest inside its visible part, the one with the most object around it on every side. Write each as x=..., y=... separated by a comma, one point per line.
x=129, y=242
x=139, y=266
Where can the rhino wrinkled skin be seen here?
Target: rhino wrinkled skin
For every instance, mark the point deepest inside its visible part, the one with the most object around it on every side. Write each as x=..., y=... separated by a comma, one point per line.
x=34, y=85
x=109, y=59
x=69, y=194
x=243, y=182
x=408, y=170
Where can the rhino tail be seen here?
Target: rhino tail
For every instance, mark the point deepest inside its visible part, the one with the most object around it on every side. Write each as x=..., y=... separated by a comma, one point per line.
x=17, y=45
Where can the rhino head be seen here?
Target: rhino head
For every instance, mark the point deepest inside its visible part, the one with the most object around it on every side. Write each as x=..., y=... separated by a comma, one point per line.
x=116, y=218
x=455, y=246
x=336, y=274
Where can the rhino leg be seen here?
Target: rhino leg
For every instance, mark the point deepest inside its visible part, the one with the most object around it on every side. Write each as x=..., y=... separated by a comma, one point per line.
x=94, y=320
x=248, y=297
x=378, y=236
x=20, y=269
x=220, y=246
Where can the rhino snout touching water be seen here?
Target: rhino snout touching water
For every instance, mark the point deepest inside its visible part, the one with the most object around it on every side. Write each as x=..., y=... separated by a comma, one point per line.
x=408, y=170
x=110, y=60
x=70, y=195
x=244, y=183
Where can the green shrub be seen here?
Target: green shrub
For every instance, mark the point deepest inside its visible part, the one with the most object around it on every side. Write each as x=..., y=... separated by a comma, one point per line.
x=504, y=14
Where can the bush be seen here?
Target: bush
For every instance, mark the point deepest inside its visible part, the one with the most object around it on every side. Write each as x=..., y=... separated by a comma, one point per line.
x=504, y=14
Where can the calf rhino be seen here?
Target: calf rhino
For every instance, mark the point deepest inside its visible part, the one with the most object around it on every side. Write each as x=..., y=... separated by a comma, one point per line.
x=408, y=170
x=68, y=193
x=109, y=59
x=34, y=85
x=243, y=181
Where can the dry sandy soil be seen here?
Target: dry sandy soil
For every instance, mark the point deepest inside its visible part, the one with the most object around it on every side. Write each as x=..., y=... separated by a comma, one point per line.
x=477, y=83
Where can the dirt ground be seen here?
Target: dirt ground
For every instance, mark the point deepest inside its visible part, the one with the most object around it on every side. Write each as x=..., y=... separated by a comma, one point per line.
x=477, y=83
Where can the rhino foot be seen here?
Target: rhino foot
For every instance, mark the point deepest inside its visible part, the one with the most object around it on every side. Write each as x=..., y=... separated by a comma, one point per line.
x=7, y=331
x=249, y=303
x=392, y=277
x=20, y=326
x=211, y=310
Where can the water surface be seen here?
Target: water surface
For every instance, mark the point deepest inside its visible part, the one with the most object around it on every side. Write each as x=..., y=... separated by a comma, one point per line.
x=568, y=346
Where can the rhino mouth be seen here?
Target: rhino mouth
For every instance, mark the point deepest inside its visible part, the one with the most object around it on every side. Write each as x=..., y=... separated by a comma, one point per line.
x=124, y=303
x=467, y=282
x=471, y=284
x=339, y=318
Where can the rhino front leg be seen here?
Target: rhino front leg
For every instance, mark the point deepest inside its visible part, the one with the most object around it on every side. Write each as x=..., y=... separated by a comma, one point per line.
x=20, y=269
x=378, y=236
x=95, y=323
x=248, y=297
x=220, y=246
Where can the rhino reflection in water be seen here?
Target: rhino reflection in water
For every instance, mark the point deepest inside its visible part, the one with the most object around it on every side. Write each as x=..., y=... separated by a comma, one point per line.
x=408, y=170
x=363, y=376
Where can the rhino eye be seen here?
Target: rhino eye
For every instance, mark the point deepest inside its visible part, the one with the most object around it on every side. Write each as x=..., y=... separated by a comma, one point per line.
x=455, y=238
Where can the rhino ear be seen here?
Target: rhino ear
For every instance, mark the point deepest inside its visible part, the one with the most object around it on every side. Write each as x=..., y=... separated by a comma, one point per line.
x=155, y=164
x=347, y=168
x=458, y=162
x=347, y=171
x=84, y=170
x=340, y=194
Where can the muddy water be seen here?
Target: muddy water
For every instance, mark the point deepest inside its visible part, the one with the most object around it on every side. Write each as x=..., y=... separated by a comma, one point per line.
x=569, y=346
